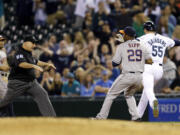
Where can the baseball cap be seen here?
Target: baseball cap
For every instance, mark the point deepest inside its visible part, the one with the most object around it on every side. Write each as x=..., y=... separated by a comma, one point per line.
x=30, y=38
x=2, y=38
x=104, y=72
x=130, y=31
x=70, y=75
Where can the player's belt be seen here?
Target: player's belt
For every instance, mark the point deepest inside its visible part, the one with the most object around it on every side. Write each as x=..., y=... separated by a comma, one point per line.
x=4, y=73
x=135, y=72
x=160, y=64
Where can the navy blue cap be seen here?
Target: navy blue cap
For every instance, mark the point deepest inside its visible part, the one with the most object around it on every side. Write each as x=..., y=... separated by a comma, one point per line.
x=130, y=31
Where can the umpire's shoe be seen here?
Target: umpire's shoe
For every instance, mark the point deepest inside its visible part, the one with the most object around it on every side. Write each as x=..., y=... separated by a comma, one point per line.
x=155, y=109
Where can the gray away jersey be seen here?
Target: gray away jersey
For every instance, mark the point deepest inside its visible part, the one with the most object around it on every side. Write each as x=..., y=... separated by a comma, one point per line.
x=132, y=54
x=157, y=44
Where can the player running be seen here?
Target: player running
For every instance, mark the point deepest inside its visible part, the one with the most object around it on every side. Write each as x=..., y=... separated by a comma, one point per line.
x=152, y=73
x=132, y=54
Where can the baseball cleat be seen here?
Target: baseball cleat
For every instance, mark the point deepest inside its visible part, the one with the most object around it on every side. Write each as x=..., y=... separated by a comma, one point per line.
x=155, y=109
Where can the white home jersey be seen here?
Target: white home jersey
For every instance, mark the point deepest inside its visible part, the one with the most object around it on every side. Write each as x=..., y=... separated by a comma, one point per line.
x=132, y=54
x=157, y=44
x=2, y=56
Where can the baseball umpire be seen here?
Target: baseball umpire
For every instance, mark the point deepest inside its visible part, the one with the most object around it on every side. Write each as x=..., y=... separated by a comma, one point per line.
x=22, y=78
x=132, y=54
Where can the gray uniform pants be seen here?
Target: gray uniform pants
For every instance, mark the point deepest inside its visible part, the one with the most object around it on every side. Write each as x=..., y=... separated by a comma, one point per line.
x=127, y=82
x=17, y=88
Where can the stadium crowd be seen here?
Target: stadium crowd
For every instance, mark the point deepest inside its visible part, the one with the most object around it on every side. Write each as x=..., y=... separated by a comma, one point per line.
x=78, y=37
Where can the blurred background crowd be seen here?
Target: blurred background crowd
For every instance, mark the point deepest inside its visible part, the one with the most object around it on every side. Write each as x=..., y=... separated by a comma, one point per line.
x=77, y=36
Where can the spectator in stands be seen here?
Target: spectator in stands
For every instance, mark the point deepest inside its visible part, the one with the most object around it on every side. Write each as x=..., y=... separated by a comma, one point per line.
x=69, y=9
x=61, y=58
x=175, y=9
x=40, y=15
x=68, y=40
x=72, y=87
x=79, y=39
x=90, y=36
x=164, y=27
x=56, y=85
x=87, y=87
x=176, y=50
x=169, y=69
x=2, y=16
x=44, y=56
x=138, y=21
x=57, y=18
x=64, y=48
x=80, y=10
x=104, y=53
x=176, y=83
x=153, y=10
x=45, y=82
x=52, y=73
x=99, y=18
x=52, y=43
x=115, y=70
x=171, y=18
x=78, y=63
x=87, y=23
x=105, y=34
x=162, y=86
x=106, y=4
x=65, y=73
x=101, y=87
x=80, y=74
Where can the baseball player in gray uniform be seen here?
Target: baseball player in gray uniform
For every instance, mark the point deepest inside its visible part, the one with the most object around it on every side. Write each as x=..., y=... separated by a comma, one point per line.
x=132, y=54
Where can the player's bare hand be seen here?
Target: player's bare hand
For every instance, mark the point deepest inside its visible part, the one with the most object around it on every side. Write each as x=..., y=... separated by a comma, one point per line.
x=38, y=68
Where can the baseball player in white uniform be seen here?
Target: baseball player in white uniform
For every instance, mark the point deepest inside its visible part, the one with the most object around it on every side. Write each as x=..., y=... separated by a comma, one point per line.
x=152, y=73
x=4, y=68
x=132, y=54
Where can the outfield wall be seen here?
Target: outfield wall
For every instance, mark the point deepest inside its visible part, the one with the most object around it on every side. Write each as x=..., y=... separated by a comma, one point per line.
x=80, y=106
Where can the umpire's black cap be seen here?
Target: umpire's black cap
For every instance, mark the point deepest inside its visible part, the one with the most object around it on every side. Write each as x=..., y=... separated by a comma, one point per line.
x=130, y=31
x=30, y=38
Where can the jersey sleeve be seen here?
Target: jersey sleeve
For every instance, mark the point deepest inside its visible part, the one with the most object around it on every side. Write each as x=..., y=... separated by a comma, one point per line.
x=170, y=42
x=117, y=57
x=3, y=55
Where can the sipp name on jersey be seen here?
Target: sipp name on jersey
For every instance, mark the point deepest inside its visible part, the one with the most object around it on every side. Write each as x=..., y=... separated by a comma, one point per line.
x=134, y=45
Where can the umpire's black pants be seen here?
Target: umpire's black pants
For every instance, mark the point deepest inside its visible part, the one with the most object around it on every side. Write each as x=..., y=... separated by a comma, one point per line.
x=39, y=94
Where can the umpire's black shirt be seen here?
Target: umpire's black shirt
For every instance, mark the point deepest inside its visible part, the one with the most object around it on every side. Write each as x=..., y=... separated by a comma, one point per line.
x=17, y=73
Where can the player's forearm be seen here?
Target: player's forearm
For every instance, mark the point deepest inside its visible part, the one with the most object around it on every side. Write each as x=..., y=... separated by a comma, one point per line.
x=26, y=65
x=4, y=68
x=41, y=63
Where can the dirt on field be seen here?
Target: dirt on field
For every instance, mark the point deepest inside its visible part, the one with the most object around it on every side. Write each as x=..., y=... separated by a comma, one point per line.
x=76, y=126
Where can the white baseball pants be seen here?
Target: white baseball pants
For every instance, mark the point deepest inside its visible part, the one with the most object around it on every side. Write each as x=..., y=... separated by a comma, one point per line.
x=152, y=74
